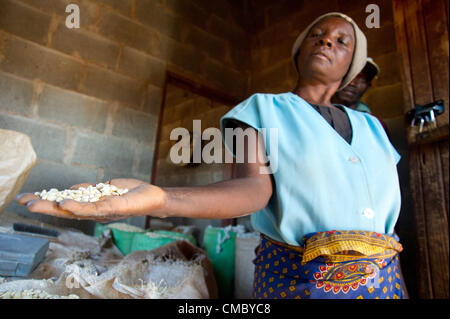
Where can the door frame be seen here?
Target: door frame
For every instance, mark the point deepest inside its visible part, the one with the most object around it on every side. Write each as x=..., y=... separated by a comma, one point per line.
x=198, y=88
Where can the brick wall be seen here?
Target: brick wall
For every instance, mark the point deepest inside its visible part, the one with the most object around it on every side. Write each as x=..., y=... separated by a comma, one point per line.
x=89, y=98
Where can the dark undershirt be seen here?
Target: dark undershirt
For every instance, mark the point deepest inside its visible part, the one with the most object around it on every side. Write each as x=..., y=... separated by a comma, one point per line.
x=336, y=117
x=338, y=120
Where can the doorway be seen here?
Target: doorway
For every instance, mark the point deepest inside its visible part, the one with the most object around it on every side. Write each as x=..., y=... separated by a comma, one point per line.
x=183, y=102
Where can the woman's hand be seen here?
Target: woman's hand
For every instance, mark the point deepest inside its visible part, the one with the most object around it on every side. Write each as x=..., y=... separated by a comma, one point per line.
x=142, y=199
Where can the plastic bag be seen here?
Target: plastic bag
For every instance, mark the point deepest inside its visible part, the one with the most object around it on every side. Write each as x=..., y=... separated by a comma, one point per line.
x=17, y=158
x=243, y=266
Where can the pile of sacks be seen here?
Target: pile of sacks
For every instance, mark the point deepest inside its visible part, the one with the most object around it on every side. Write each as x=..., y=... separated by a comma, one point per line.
x=81, y=266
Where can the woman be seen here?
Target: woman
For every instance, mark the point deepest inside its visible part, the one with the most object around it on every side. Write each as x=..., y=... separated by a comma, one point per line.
x=327, y=214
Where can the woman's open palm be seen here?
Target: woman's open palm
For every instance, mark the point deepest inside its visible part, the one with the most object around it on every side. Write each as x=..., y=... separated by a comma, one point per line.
x=141, y=199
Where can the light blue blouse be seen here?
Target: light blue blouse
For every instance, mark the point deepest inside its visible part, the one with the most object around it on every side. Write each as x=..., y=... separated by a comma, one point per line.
x=322, y=182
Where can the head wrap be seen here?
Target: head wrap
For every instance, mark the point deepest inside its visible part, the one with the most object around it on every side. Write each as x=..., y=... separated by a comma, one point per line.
x=359, y=55
x=371, y=68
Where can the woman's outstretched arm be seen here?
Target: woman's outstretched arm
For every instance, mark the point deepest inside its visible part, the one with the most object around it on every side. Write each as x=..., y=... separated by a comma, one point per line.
x=250, y=191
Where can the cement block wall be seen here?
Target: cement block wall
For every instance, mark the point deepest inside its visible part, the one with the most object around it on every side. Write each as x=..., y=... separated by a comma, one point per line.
x=181, y=108
x=89, y=98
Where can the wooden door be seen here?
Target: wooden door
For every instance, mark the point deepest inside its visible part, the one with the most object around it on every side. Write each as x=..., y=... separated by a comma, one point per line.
x=421, y=28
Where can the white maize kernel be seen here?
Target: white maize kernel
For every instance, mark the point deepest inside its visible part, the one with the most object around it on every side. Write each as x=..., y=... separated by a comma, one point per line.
x=33, y=294
x=83, y=194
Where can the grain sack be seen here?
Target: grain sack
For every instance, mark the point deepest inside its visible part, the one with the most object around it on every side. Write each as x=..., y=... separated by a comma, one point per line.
x=245, y=245
x=17, y=158
x=177, y=270
x=122, y=233
x=81, y=266
x=162, y=279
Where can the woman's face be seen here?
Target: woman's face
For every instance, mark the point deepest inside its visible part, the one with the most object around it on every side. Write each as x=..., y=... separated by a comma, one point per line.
x=327, y=50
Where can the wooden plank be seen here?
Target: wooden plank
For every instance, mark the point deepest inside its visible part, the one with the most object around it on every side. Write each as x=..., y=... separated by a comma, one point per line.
x=402, y=48
x=417, y=44
x=443, y=149
x=435, y=218
x=434, y=197
x=432, y=136
x=421, y=26
x=437, y=43
x=405, y=228
x=401, y=17
x=446, y=12
x=424, y=284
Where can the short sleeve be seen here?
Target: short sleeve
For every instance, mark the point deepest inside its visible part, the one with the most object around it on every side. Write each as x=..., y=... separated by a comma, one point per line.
x=396, y=155
x=383, y=128
x=247, y=112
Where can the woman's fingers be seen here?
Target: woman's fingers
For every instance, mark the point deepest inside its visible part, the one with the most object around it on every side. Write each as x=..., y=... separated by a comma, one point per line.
x=48, y=208
x=24, y=198
x=107, y=209
x=36, y=205
x=80, y=208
